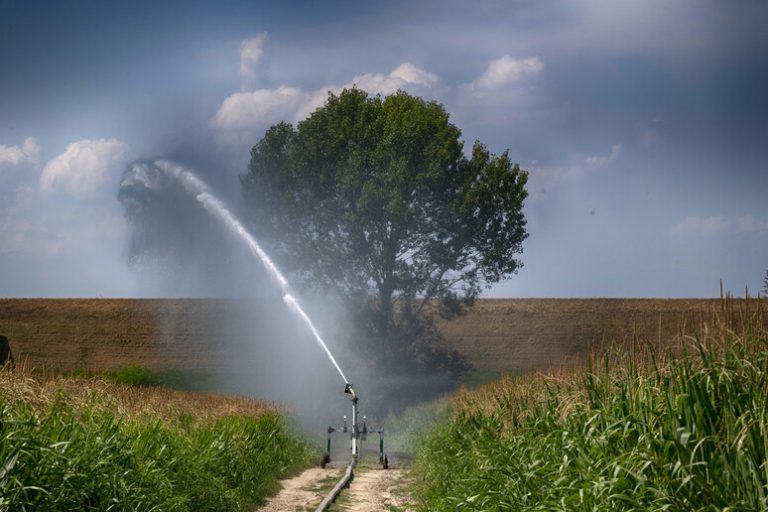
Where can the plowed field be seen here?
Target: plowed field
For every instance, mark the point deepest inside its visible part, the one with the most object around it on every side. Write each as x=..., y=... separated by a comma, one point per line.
x=498, y=334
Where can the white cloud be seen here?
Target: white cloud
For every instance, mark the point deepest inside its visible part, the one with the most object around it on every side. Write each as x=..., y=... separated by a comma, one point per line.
x=507, y=71
x=251, y=51
x=84, y=167
x=28, y=152
x=410, y=74
x=506, y=92
x=259, y=108
x=244, y=110
x=700, y=226
x=403, y=75
x=749, y=224
x=601, y=160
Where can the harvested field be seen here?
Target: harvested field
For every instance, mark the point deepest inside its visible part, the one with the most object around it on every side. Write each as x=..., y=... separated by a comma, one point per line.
x=507, y=334
x=201, y=334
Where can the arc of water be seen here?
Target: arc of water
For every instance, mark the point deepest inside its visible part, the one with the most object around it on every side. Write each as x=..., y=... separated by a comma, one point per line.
x=211, y=203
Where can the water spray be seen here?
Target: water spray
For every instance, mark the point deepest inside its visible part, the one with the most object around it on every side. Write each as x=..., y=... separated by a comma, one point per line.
x=196, y=187
x=141, y=174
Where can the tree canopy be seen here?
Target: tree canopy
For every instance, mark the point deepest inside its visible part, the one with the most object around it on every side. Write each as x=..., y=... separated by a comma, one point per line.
x=373, y=197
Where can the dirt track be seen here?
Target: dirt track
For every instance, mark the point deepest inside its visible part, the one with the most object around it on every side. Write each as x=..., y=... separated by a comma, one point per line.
x=374, y=490
x=304, y=491
x=187, y=334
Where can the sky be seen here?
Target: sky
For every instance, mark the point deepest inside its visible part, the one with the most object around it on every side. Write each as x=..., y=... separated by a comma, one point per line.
x=643, y=125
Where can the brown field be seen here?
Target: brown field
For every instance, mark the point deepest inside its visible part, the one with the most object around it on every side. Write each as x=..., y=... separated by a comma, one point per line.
x=504, y=334
x=497, y=335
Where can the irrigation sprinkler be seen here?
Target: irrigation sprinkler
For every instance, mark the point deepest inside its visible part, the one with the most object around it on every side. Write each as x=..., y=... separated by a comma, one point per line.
x=139, y=176
x=357, y=434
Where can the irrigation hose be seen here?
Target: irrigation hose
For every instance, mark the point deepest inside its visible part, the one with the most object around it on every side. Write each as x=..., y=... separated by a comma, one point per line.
x=340, y=485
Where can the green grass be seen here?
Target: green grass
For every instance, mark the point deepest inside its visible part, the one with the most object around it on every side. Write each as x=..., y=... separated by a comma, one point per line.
x=138, y=375
x=643, y=429
x=64, y=446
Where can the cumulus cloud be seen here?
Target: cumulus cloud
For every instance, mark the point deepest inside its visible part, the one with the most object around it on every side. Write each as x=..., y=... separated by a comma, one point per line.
x=28, y=152
x=504, y=93
x=700, y=226
x=601, y=160
x=84, y=167
x=244, y=110
x=259, y=108
x=251, y=51
x=507, y=71
x=403, y=75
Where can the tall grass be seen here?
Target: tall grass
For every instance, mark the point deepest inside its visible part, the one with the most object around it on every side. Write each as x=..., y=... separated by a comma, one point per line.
x=84, y=444
x=645, y=426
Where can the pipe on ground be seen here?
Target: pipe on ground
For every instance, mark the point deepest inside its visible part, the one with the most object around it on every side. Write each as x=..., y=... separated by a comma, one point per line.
x=349, y=474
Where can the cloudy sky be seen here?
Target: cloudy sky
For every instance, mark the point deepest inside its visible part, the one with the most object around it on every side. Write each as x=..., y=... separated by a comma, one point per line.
x=644, y=125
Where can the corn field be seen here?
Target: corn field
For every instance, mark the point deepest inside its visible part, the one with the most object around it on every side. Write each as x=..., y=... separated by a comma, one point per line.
x=87, y=444
x=643, y=425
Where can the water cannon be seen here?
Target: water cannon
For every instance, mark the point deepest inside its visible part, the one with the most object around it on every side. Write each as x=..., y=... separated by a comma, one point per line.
x=349, y=390
x=358, y=434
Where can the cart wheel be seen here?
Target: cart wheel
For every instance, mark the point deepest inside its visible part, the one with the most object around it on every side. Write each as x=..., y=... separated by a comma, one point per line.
x=385, y=463
x=325, y=460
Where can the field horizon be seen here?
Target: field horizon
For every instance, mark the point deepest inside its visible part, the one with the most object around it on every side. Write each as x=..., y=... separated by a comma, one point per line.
x=495, y=335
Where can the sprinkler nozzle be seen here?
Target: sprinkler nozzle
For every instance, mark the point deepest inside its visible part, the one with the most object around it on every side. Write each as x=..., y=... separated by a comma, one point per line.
x=348, y=389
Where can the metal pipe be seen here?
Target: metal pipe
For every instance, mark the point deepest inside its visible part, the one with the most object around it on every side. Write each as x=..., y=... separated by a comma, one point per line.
x=341, y=484
x=349, y=473
x=348, y=389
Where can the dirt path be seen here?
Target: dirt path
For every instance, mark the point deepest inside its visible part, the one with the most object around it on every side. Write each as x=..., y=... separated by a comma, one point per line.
x=375, y=490
x=303, y=492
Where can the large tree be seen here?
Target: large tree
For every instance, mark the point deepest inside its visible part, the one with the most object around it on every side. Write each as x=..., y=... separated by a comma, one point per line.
x=374, y=199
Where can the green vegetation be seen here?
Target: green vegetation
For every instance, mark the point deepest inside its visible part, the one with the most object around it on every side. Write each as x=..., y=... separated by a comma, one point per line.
x=676, y=429
x=84, y=444
x=404, y=432
x=374, y=199
x=138, y=375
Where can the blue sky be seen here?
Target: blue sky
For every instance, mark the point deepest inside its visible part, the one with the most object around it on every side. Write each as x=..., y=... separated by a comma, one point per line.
x=644, y=125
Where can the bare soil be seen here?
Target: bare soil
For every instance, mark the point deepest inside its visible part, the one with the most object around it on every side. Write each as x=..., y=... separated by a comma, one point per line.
x=304, y=491
x=201, y=334
x=375, y=490
x=524, y=334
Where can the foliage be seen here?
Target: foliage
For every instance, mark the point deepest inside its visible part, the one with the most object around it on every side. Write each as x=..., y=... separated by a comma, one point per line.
x=405, y=431
x=637, y=430
x=373, y=199
x=89, y=445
